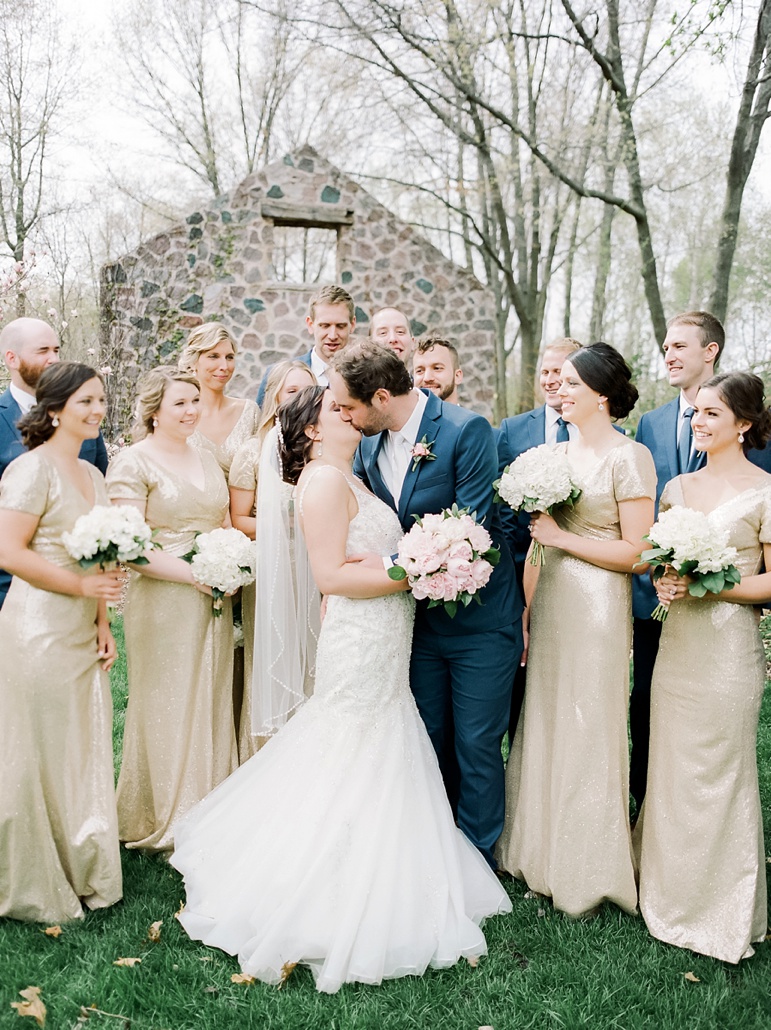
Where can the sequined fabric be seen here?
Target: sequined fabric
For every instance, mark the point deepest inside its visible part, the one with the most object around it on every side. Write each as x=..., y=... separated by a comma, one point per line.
x=243, y=476
x=566, y=831
x=179, y=740
x=58, y=822
x=700, y=836
x=246, y=426
x=335, y=844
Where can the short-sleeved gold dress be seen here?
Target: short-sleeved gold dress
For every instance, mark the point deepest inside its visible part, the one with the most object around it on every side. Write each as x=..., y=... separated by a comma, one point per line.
x=700, y=833
x=58, y=824
x=243, y=476
x=566, y=831
x=246, y=426
x=179, y=740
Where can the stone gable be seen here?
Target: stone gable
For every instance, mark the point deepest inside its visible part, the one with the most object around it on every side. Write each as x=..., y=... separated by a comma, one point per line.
x=236, y=260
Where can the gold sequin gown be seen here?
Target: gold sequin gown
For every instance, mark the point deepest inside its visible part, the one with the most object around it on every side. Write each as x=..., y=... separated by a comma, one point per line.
x=179, y=740
x=58, y=823
x=246, y=426
x=700, y=834
x=243, y=476
x=566, y=831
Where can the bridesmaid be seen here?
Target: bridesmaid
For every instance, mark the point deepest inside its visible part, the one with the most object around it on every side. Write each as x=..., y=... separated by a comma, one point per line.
x=179, y=740
x=567, y=819
x=284, y=380
x=700, y=835
x=225, y=422
x=59, y=841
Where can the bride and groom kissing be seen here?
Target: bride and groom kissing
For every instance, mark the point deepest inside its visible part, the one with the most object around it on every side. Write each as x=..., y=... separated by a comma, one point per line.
x=364, y=871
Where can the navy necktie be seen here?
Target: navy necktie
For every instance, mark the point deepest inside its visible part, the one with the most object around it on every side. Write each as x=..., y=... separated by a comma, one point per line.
x=562, y=431
x=684, y=443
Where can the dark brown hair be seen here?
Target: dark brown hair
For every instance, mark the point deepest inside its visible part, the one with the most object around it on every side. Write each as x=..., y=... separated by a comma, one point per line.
x=292, y=419
x=434, y=339
x=604, y=370
x=367, y=366
x=743, y=393
x=54, y=388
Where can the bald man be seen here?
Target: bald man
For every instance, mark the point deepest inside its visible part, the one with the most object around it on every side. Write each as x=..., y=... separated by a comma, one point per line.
x=391, y=327
x=28, y=347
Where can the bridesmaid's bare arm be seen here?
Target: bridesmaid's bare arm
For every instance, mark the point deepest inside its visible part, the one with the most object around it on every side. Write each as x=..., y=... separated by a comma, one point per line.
x=241, y=508
x=17, y=529
x=636, y=518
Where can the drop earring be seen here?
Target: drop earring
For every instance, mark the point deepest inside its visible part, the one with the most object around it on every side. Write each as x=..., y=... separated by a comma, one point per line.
x=155, y=423
x=55, y=421
x=741, y=437
x=321, y=449
x=600, y=406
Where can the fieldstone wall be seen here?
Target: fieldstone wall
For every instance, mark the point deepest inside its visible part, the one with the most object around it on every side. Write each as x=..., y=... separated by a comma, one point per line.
x=219, y=265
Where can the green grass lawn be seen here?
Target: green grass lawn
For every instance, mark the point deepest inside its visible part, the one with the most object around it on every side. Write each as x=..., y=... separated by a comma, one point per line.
x=543, y=970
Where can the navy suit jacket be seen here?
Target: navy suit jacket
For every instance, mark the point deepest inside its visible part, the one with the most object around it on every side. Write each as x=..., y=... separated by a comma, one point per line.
x=657, y=430
x=462, y=473
x=11, y=447
x=305, y=358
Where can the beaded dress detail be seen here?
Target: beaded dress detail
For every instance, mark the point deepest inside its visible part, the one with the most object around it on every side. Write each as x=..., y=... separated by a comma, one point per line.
x=335, y=845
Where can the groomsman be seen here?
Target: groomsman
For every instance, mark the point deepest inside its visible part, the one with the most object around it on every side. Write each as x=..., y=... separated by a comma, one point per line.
x=692, y=349
x=543, y=424
x=391, y=328
x=436, y=367
x=29, y=346
x=330, y=321
x=461, y=669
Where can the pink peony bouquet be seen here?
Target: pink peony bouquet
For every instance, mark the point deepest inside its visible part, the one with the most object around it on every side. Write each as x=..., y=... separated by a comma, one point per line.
x=447, y=558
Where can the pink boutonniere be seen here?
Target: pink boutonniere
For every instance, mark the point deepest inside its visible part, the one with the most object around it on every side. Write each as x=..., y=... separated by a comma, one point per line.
x=422, y=452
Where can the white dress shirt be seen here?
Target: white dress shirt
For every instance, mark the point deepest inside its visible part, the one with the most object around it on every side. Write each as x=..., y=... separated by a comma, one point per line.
x=319, y=369
x=551, y=426
x=396, y=453
x=26, y=401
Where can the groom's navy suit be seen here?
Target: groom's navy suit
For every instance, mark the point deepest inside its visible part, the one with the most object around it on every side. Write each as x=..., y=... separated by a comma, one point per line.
x=461, y=669
x=11, y=447
x=657, y=430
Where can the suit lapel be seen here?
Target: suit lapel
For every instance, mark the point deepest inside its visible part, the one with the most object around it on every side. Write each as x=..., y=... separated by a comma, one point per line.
x=537, y=426
x=376, y=481
x=10, y=410
x=428, y=429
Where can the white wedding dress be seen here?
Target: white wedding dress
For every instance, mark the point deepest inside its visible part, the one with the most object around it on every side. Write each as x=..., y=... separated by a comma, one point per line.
x=335, y=846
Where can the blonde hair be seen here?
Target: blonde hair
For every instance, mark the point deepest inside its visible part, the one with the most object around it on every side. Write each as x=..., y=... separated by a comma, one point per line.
x=276, y=379
x=202, y=338
x=564, y=343
x=150, y=392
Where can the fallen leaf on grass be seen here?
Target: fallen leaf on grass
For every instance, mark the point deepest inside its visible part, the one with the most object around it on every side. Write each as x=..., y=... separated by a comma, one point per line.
x=154, y=933
x=211, y=990
x=691, y=977
x=473, y=961
x=541, y=913
x=241, y=978
x=127, y=962
x=180, y=910
x=286, y=971
x=92, y=1010
x=31, y=1006
x=53, y=931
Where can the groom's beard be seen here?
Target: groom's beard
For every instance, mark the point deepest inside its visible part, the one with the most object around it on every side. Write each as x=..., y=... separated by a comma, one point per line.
x=376, y=423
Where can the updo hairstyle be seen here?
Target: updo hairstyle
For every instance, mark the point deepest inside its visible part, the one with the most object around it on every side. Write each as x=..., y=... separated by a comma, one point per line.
x=292, y=419
x=202, y=338
x=604, y=370
x=743, y=393
x=150, y=392
x=54, y=388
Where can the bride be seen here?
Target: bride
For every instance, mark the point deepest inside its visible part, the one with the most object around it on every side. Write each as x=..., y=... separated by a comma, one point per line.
x=335, y=846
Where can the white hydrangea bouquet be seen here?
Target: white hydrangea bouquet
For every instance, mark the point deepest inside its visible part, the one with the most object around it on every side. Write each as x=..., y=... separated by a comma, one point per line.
x=538, y=480
x=224, y=560
x=447, y=558
x=109, y=533
x=688, y=542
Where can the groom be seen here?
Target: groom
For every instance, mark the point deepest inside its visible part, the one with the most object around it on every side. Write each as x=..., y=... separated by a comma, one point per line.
x=461, y=669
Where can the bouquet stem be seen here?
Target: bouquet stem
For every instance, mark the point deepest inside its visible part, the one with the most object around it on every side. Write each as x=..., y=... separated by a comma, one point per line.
x=660, y=612
x=538, y=554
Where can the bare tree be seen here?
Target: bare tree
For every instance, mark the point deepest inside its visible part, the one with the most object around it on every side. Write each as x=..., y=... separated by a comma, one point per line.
x=36, y=71
x=754, y=110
